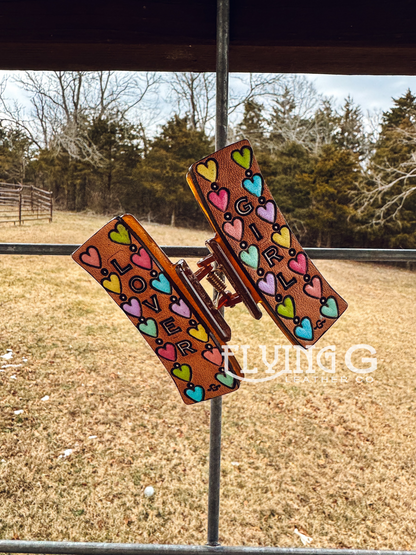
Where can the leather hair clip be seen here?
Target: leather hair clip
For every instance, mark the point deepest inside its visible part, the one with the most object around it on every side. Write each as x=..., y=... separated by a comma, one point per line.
x=166, y=303
x=257, y=251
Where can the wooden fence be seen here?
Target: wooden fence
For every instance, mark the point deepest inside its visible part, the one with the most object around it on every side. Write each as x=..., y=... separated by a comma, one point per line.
x=24, y=203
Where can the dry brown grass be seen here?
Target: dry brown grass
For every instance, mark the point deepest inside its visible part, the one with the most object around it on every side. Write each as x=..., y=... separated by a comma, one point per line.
x=336, y=460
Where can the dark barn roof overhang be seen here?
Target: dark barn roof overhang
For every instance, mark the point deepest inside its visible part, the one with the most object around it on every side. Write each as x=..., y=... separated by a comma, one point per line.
x=179, y=35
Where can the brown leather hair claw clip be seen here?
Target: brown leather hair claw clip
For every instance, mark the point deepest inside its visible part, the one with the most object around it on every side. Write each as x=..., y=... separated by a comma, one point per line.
x=166, y=303
x=257, y=251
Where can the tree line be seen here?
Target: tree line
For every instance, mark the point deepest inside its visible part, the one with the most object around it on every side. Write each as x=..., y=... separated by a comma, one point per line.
x=118, y=142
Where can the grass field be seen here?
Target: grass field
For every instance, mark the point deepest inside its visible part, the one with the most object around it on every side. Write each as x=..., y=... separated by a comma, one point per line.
x=336, y=460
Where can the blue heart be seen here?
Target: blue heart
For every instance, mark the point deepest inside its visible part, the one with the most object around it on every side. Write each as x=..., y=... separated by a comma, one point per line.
x=196, y=394
x=304, y=331
x=254, y=185
x=161, y=284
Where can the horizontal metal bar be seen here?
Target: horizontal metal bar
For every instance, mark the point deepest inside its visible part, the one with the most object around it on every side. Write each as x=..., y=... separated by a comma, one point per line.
x=86, y=548
x=367, y=255
x=66, y=250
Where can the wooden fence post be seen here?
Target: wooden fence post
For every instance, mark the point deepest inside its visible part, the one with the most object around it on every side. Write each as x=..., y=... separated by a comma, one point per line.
x=20, y=208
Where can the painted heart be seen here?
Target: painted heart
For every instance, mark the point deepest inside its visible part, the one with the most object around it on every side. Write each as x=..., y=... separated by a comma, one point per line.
x=250, y=257
x=112, y=284
x=91, y=257
x=168, y=352
x=330, y=308
x=267, y=212
x=268, y=284
x=219, y=199
x=243, y=157
x=225, y=379
x=161, y=284
x=234, y=229
x=197, y=394
x=120, y=235
x=142, y=259
x=299, y=264
x=149, y=327
x=254, y=185
x=199, y=333
x=287, y=308
x=208, y=170
x=282, y=237
x=181, y=309
x=314, y=288
x=304, y=331
x=132, y=307
x=213, y=355
x=183, y=372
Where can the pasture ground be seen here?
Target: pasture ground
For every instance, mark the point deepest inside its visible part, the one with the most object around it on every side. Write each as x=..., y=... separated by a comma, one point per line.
x=336, y=460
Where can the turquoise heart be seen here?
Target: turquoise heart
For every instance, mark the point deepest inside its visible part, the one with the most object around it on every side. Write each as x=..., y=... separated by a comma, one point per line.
x=304, y=331
x=225, y=379
x=161, y=284
x=197, y=394
x=254, y=185
x=250, y=257
x=330, y=308
x=149, y=327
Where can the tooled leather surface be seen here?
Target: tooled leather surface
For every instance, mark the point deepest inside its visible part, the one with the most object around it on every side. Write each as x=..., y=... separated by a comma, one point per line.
x=248, y=220
x=198, y=375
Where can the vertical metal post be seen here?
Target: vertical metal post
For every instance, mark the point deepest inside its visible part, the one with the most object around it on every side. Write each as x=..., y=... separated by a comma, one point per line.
x=221, y=125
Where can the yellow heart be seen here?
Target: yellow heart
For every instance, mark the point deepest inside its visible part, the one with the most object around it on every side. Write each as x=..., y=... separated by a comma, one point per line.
x=199, y=333
x=112, y=284
x=208, y=170
x=282, y=237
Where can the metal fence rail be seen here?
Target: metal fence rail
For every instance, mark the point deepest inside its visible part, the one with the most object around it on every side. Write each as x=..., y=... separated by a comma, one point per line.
x=315, y=253
x=91, y=548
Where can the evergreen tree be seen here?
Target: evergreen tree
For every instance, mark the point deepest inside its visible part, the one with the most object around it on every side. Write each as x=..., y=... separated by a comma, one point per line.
x=252, y=126
x=330, y=186
x=350, y=133
x=161, y=176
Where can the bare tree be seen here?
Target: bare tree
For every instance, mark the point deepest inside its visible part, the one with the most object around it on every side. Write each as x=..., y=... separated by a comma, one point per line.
x=63, y=101
x=194, y=95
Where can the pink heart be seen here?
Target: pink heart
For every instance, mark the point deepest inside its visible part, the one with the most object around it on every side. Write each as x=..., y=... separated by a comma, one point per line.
x=142, y=259
x=214, y=356
x=220, y=199
x=298, y=264
x=181, y=308
x=168, y=352
x=314, y=288
x=234, y=229
x=91, y=257
x=132, y=307
x=268, y=284
x=267, y=212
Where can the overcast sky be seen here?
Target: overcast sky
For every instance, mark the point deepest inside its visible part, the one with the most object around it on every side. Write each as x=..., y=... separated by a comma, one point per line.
x=369, y=91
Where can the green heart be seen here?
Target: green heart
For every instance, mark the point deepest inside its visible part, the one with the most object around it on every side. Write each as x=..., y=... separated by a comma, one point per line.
x=184, y=372
x=243, y=157
x=225, y=379
x=287, y=308
x=121, y=235
x=149, y=327
x=330, y=308
x=250, y=257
